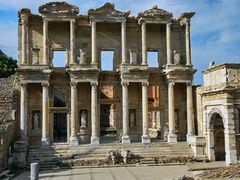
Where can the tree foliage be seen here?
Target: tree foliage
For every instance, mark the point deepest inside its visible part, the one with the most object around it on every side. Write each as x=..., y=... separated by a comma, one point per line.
x=7, y=65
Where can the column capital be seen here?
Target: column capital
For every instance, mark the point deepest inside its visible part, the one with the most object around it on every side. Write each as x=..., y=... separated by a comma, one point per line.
x=73, y=84
x=125, y=83
x=73, y=20
x=23, y=84
x=189, y=83
x=145, y=83
x=94, y=83
x=171, y=83
x=44, y=84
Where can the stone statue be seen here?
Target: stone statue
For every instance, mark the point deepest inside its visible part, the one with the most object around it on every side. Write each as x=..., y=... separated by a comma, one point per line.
x=176, y=57
x=133, y=57
x=82, y=56
x=83, y=119
x=211, y=64
x=132, y=120
x=36, y=122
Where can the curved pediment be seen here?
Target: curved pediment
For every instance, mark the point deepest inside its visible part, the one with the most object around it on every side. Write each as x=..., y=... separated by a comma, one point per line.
x=58, y=8
x=107, y=11
x=155, y=12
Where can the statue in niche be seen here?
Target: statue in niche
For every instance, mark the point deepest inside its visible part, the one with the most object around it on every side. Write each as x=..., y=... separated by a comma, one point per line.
x=176, y=57
x=132, y=120
x=36, y=122
x=133, y=57
x=154, y=119
x=83, y=119
x=166, y=131
x=82, y=56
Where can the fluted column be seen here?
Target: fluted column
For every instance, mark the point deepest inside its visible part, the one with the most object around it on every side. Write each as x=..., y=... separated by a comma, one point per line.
x=145, y=136
x=73, y=137
x=94, y=43
x=125, y=115
x=190, y=119
x=24, y=19
x=72, y=41
x=123, y=31
x=94, y=122
x=23, y=112
x=45, y=42
x=171, y=114
x=45, y=98
x=144, y=44
x=168, y=43
x=188, y=43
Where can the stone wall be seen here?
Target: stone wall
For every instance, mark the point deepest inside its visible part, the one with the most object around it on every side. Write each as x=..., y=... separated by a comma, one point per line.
x=8, y=124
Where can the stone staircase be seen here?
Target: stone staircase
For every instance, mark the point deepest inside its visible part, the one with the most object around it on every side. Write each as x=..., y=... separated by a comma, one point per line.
x=87, y=155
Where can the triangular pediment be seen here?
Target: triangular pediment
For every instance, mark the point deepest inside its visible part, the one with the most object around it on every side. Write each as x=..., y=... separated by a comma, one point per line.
x=58, y=8
x=154, y=12
x=107, y=11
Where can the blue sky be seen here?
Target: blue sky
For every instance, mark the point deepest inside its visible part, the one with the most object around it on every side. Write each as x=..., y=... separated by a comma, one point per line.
x=215, y=29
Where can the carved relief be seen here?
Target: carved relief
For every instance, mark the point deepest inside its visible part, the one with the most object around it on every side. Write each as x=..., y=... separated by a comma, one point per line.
x=58, y=8
x=155, y=12
x=107, y=10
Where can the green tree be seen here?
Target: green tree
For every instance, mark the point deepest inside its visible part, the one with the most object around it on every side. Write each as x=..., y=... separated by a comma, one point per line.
x=7, y=65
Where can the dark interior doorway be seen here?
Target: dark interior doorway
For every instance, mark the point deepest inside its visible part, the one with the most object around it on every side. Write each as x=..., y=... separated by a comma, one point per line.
x=107, y=133
x=60, y=128
x=219, y=140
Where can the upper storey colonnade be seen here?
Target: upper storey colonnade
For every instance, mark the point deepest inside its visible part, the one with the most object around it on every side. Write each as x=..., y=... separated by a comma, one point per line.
x=61, y=11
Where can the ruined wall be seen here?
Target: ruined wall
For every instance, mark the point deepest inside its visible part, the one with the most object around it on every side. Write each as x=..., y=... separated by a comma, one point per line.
x=8, y=100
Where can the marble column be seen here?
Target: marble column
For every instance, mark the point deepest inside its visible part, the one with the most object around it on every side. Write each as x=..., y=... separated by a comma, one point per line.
x=23, y=112
x=94, y=122
x=123, y=37
x=73, y=137
x=144, y=44
x=94, y=43
x=188, y=44
x=45, y=98
x=45, y=42
x=72, y=41
x=168, y=43
x=145, y=136
x=172, y=137
x=24, y=19
x=190, y=119
x=125, y=115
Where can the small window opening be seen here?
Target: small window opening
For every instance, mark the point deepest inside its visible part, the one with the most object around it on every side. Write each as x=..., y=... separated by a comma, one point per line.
x=59, y=58
x=107, y=60
x=152, y=58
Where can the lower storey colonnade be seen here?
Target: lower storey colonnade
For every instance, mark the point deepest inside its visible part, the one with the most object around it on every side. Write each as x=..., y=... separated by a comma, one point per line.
x=95, y=130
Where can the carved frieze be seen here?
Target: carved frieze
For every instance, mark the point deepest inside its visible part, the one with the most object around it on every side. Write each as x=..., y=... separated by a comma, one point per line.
x=107, y=11
x=61, y=8
x=155, y=12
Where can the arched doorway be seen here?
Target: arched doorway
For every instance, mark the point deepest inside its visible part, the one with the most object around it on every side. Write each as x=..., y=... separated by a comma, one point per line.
x=219, y=140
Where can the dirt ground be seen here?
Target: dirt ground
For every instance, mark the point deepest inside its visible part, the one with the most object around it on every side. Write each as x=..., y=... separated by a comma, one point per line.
x=229, y=172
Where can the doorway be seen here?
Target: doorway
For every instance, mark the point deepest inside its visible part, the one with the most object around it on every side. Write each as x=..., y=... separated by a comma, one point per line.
x=60, y=128
x=219, y=140
x=107, y=131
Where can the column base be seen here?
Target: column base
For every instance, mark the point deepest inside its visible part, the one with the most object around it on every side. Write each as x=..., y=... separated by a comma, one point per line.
x=126, y=139
x=190, y=138
x=44, y=142
x=172, y=138
x=146, y=139
x=94, y=140
x=73, y=141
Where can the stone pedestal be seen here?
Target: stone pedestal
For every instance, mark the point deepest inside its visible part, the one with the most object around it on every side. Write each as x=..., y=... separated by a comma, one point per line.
x=172, y=138
x=20, y=154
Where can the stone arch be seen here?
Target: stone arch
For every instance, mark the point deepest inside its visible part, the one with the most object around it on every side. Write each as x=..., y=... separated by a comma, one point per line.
x=214, y=111
x=216, y=136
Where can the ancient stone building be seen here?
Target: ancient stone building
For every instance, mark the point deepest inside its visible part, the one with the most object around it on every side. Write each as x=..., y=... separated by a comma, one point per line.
x=82, y=102
x=218, y=103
